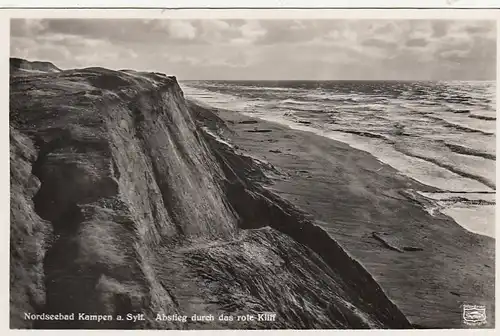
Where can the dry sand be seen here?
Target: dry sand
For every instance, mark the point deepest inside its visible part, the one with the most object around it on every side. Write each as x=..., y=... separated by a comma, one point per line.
x=428, y=265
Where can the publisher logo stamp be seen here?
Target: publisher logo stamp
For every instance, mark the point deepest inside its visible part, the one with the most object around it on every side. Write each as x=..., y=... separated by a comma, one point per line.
x=474, y=315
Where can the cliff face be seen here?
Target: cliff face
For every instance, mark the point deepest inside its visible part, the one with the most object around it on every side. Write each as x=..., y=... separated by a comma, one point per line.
x=121, y=202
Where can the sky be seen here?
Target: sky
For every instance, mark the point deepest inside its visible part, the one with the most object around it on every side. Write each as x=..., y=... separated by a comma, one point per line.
x=321, y=49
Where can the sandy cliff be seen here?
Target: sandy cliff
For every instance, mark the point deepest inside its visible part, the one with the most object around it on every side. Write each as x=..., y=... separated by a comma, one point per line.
x=122, y=203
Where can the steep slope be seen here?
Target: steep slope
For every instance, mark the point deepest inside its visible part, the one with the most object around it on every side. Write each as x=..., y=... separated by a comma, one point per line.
x=122, y=204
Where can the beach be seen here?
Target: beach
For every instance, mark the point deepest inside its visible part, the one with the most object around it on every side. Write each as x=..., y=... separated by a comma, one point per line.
x=425, y=262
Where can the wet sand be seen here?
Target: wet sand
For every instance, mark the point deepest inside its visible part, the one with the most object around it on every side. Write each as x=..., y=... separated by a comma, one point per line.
x=427, y=264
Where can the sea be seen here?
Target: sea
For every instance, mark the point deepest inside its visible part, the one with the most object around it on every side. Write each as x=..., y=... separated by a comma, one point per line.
x=440, y=133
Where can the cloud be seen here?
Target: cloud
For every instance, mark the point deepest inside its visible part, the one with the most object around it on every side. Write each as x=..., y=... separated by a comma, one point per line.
x=417, y=42
x=454, y=55
x=214, y=31
x=477, y=29
x=58, y=39
x=379, y=43
x=250, y=32
x=439, y=28
x=179, y=29
x=286, y=31
x=462, y=49
x=23, y=27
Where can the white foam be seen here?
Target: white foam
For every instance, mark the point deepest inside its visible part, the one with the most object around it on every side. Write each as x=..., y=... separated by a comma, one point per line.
x=459, y=163
x=466, y=140
x=475, y=218
x=490, y=197
x=486, y=126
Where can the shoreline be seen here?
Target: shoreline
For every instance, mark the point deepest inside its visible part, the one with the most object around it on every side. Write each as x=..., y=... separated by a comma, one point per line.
x=354, y=196
x=461, y=214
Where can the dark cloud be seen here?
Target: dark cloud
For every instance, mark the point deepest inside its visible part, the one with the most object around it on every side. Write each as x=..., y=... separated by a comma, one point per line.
x=484, y=50
x=378, y=43
x=286, y=32
x=116, y=30
x=215, y=31
x=440, y=28
x=17, y=27
x=383, y=27
x=481, y=28
x=417, y=42
x=294, y=31
x=455, y=56
x=136, y=31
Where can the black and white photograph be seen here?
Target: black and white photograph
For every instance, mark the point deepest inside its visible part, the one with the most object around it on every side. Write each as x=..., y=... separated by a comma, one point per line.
x=229, y=173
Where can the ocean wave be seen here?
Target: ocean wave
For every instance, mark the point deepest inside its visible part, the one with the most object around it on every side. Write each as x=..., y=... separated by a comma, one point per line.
x=460, y=127
x=332, y=97
x=266, y=88
x=452, y=168
x=365, y=134
x=489, y=197
x=343, y=99
x=462, y=101
x=463, y=200
x=482, y=117
x=457, y=111
x=294, y=101
x=478, y=192
x=469, y=151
